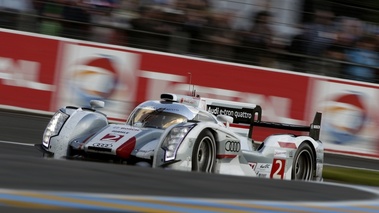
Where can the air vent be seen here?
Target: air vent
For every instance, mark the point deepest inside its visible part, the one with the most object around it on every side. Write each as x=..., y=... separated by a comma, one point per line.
x=88, y=109
x=99, y=149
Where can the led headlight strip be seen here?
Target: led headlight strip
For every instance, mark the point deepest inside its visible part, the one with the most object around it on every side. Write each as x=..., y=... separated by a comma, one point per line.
x=173, y=140
x=54, y=127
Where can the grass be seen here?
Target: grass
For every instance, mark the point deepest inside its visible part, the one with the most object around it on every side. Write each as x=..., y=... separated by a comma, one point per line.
x=351, y=176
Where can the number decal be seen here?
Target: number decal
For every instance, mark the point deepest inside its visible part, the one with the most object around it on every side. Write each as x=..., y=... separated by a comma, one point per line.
x=277, y=171
x=111, y=137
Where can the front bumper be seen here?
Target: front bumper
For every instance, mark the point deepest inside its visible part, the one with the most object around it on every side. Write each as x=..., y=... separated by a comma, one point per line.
x=41, y=148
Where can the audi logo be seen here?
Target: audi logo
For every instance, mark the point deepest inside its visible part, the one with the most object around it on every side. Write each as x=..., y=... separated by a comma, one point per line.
x=232, y=146
x=102, y=145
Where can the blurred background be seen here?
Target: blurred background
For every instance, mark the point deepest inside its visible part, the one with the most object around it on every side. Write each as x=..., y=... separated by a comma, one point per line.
x=338, y=38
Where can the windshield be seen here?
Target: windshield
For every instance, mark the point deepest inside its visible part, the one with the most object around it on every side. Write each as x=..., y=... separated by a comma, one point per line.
x=156, y=118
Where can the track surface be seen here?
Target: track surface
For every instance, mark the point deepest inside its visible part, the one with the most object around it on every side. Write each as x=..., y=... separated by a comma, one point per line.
x=28, y=128
x=22, y=168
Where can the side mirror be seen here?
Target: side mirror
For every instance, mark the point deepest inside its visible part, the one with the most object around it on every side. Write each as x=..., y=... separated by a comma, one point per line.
x=138, y=124
x=97, y=104
x=225, y=119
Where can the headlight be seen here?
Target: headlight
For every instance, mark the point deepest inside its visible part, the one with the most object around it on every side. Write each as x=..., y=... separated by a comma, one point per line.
x=54, y=127
x=173, y=140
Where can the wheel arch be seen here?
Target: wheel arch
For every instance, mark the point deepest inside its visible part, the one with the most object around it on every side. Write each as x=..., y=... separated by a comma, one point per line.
x=215, y=135
x=314, y=153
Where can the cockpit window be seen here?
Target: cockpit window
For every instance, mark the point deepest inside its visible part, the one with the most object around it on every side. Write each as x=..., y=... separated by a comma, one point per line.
x=156, y=118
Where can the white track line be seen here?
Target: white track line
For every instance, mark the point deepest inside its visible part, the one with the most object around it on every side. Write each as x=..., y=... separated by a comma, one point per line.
x=17, y=143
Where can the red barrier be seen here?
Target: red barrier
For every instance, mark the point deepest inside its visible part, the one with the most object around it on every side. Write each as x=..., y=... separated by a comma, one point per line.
x=45, y=73
x=27, y=70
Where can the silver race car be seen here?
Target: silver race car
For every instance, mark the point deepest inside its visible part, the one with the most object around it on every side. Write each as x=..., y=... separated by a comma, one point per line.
x=188, y=133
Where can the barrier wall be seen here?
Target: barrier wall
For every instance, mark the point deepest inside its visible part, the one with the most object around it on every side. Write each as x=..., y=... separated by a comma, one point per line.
x=44, y=73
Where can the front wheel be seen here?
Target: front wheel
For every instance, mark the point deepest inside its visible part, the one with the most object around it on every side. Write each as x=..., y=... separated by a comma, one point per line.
x=303, y=164
x=204, y=152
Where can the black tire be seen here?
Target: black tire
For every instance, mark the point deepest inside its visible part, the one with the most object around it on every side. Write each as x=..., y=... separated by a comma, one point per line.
x=303, y=163
x=204, y=152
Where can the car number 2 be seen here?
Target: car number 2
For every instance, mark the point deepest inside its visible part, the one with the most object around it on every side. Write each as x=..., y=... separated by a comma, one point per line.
x=277, y=171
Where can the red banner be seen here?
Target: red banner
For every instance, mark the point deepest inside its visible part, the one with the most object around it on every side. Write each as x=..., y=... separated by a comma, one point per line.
x=27, y=70
x=282, y=93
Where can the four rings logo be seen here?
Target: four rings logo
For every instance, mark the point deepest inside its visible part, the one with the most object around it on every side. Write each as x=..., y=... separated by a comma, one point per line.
x=102, y=145
x=232, y=146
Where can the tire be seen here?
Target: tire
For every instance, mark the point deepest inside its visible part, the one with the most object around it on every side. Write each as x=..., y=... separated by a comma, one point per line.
x=204, y=152
x=303, y=164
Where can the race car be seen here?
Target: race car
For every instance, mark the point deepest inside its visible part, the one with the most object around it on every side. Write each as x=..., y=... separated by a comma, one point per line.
x=184, y=132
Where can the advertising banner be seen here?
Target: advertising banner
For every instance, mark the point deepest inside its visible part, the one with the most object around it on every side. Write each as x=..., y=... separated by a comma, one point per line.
x=92, y=73
x=27, y=70
x=350, y=116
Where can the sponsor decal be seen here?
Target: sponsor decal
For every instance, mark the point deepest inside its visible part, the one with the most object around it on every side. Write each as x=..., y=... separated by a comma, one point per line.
x=189, y=101
x=112, y=137
x=243, y=115
x=130, y=129
x=124, y=130
x=347, y=117
x=280, y=153
x=94, y=73
x=121, y=132
x=102, y=145
x=263, y=167
x=232, y=146
x=252, y=165
x=95, y=78
x=350, y=119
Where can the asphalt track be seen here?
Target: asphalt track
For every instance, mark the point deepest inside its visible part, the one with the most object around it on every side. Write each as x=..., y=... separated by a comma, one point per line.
x=41, y=185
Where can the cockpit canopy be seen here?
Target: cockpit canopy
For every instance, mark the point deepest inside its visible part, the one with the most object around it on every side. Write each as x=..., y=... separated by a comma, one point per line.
x=156, y=118
x=164, y=114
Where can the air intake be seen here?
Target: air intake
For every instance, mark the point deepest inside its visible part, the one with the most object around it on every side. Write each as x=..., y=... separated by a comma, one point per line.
x=169, y=97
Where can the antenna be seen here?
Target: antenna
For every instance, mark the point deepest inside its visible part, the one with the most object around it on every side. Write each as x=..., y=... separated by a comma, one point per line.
x=193, y=92
x=189, y=83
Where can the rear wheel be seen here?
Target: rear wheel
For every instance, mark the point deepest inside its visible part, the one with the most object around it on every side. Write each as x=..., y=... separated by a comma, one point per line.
x=303, y=164
x=204, y=152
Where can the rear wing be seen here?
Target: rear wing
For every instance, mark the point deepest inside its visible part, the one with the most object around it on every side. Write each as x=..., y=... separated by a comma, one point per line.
x=313, y=128
x=251, y=115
